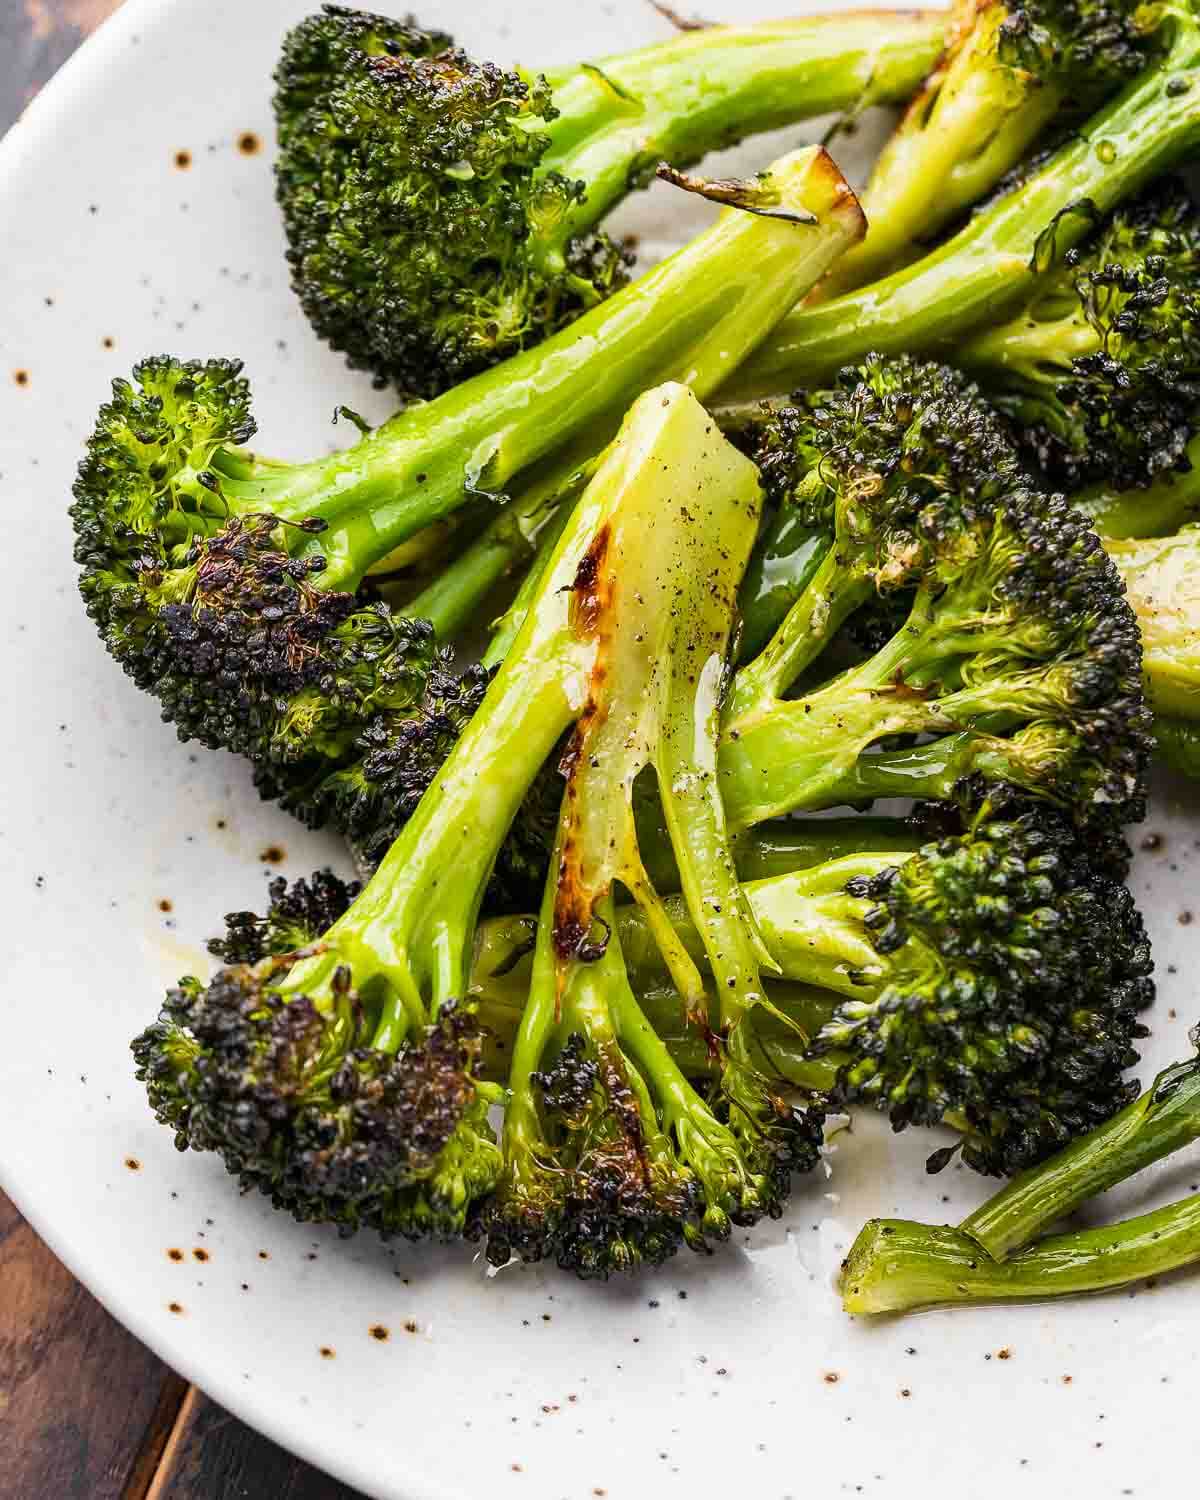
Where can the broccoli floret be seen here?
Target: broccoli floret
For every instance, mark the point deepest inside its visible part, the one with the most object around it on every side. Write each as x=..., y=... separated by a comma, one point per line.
x=1010, y=73
x=981, y=965
x=236, y=588
x=1100, y=372
x=299, y=912
x=612, y=1159
x=897, y=1266
x=981, y=275
x=441, y=213
x=1010, y=642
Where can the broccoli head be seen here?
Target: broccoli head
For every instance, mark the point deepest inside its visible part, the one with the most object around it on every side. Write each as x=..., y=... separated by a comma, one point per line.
x=441, y=213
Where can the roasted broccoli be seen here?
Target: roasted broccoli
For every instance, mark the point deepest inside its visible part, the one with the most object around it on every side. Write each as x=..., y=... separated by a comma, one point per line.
x=981, y=275
x=897, y=1266
x=993, y=976
x=232, y=587
x=1010, y=72
x=1006, y=635
x=611, y=1157
x=441, y=214
x=1100, y=371
x=1162, y=576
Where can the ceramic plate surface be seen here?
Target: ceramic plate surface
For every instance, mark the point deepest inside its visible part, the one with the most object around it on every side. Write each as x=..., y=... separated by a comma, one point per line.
x=136, y=215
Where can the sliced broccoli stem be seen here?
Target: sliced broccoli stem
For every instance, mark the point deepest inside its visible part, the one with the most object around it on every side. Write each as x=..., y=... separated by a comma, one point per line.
x=975, y=119
x=508, y=627
x=702, y=90
x=983, y=271
x=1162, y=1120
x=895, y=1266
x=1163, y=507
x=1162, y=577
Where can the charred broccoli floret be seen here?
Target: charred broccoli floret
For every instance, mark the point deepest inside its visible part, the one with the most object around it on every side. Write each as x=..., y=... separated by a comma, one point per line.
x=1009, y=640
x=1010, y=72
x=442, y=213
x=1100, y=371
x=233, y=586
x=298, y=913
x=897, y=1266
x=612, y=1159
x=981, y=275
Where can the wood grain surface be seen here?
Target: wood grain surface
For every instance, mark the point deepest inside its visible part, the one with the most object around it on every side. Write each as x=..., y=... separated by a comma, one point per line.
x=86, y=1412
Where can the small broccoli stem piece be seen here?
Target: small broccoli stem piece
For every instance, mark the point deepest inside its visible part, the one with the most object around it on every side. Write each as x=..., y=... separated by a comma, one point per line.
x=508, y=626
x=1179, y=745
x=895, y=1266
x=1162, y=1120
x=833, y=592
x=1162, y=577
x=977, y=115
x=983, y=272
x=782, y=566
x=1167, y=505
x=680, y=99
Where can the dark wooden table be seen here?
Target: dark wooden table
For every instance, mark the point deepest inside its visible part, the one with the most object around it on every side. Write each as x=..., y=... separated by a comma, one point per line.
x=85, y=1410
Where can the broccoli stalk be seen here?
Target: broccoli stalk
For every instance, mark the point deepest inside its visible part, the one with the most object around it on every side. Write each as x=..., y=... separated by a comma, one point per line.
x=898, y=1266
x=607, y=1145
x=1162, y=578
x=229, y=585
x=441, y=213
x=1005, y=631
x=1100, y=371
x=1009, y=71
x=982, y=273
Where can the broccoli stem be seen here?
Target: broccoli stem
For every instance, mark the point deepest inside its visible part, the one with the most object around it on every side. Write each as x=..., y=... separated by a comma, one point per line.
x=691, y=318
x=788, y=554
x=1163, y=507
x=983, y=271
x=1162, y=1120
x=1162, y=577
x=974, y=120
x=508, y=627
x=702, y=90
x=895, y=1266
x=1179, y=745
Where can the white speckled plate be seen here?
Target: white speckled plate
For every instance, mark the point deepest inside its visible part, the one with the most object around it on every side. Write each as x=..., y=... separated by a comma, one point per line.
x=136, y=214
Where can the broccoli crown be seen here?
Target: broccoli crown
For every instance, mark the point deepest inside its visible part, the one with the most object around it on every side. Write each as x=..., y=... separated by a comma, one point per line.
x=424, y=238
x=600, y=1194
x=1089, y=47
x=298, y=913
x=1014, y=971
x=299, y=1106
x=895, y=459
x=1102, y=370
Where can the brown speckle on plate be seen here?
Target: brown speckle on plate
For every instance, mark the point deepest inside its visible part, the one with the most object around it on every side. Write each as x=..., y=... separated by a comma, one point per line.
x=249, y=143
x=175, y=1307
x=379, y=1333
x=200, y=1254
x=108, y=342
x=831, y=1377
x=327, y=1353
x=174, y=1253
x=273, y=854
x=183, y=160
x=165, y=904
x=264, y=1255
x=1185, y=919
x=21, y=377
x=411, y=1325
x=133, y=1164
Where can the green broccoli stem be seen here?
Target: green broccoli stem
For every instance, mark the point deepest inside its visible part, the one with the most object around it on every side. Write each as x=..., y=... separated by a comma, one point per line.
x=975, y=120
x=692, y=318
x=1162, y=1120
x=895, y=1266
x=784, y=563
x=678, y=100
x=1162, y=580
x=508, y=627
x=1179, y=745
x=983, y=272
x=1163, y=507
